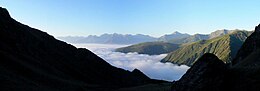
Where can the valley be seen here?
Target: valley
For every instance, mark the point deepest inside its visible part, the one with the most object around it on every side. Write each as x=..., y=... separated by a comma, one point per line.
x=129, y=45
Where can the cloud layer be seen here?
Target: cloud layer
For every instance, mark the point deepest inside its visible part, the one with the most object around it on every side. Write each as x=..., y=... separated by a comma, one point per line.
x=149, y=65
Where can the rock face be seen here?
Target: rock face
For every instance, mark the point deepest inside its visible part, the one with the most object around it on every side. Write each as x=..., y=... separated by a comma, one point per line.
x=206, y=74
x=242, y=75
x=32, y=60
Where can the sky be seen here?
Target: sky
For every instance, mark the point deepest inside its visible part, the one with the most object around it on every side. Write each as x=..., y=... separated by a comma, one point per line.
x=151, y=17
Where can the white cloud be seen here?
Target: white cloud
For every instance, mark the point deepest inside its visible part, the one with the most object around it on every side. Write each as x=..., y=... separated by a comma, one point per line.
x=149, y=65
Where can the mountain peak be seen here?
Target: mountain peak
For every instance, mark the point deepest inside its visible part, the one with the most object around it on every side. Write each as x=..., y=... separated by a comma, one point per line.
x=4, y=13
x=257, y=28
x=176, y=32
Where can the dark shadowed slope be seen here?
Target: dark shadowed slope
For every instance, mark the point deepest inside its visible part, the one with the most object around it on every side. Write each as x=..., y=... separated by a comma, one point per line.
x=205, y=75
x=246, y=65
x=32, y=60
x=251, y=45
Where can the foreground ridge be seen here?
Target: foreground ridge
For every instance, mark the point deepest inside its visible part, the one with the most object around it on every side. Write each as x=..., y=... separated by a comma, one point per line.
x=32, y=60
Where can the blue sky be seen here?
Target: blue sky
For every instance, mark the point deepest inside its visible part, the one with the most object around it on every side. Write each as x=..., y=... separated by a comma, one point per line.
x=152, y=17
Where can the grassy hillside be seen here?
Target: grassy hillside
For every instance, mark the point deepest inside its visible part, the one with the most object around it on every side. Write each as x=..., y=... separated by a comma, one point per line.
x=151, y=48
x=224, y=47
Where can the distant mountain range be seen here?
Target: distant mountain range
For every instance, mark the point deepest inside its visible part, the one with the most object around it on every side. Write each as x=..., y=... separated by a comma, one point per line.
x=176, y=38
x=32, y=60
x=110, y=39
x=121, y=38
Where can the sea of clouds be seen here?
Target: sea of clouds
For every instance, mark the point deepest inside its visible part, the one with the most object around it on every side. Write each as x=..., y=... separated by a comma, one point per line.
x=148, y=64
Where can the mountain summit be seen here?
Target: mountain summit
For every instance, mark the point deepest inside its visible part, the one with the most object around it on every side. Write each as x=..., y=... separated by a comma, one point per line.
x=176, y=32
x=4, y=14
x=174, y=35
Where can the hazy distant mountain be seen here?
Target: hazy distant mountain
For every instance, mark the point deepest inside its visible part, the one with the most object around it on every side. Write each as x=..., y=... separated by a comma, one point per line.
x=151, y=48
x=32, y=60
x=190, y=39
x=122, y=39
x=110, y=39
x=225, y=47
x=220, y=33
x=71, y=39
x=198, y=37
x=174, y=35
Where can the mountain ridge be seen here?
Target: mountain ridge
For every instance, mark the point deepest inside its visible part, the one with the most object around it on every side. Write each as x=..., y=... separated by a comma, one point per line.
x=198, y=37
x=114, y=38
x=174, y=35
x=225, y=47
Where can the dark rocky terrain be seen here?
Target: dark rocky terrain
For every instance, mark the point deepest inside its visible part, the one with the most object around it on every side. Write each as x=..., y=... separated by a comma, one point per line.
x=205, y=75
x=32, y=60
x=211, y=74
